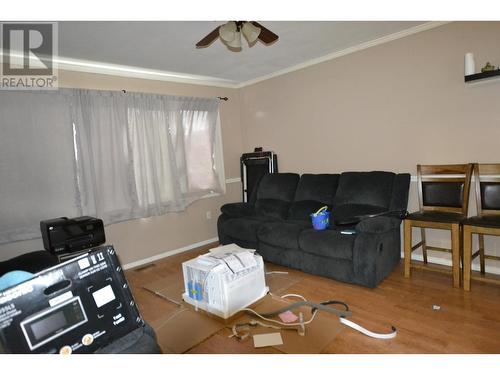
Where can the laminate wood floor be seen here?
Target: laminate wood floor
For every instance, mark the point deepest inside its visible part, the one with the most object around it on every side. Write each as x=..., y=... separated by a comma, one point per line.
x=467, y=322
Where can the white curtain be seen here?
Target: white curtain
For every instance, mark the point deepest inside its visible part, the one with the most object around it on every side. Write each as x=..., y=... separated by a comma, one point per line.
x=143, y=154
x=121, y=155
x=37, y=166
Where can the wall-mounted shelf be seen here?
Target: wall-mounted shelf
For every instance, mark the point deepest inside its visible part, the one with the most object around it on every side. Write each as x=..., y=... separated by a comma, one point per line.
x=484, y=75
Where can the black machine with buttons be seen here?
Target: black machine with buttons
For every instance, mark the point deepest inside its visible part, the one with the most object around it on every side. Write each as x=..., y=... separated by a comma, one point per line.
x=75, y=307
x=64, y=237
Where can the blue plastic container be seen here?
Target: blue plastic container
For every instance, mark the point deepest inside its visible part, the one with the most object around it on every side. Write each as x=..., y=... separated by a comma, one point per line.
x=321, y=219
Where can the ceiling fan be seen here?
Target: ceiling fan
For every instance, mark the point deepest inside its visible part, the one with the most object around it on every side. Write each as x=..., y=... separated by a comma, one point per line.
x=230, y=35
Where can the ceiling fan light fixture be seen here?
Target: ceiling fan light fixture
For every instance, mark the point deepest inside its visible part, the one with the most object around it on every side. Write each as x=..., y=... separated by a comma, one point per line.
x=236, y=42
x=251, y=32
x=228, y=31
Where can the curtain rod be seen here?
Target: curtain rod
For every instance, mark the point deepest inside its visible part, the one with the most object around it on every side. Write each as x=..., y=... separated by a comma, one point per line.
x=225, y=98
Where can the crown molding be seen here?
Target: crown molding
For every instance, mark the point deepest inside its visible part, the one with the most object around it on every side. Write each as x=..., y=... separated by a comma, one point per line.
x=78, y=65
x=88, y=66
x=347, y=51
x=96, y=67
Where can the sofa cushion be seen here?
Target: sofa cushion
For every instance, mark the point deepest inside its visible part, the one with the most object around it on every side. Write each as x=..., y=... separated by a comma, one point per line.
x=238, y=209
x=282, y=234
x=303, y=209
x=347, y=213
x=327, y=243
x=243, y=228
x=373, y=188
x=275, y=192
x=272, y=208
x=313, y=192
x=278, y=186
x=317, y=187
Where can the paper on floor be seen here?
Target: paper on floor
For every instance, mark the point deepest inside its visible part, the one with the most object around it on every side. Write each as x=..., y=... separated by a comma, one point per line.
x=267, y=339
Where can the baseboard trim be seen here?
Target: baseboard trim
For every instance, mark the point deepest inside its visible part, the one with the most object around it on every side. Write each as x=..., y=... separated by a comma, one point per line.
x=169, y=253
x=447, y=262
x=233, y=180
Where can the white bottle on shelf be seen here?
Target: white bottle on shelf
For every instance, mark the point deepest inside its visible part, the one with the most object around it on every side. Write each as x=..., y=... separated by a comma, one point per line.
x=470, y=67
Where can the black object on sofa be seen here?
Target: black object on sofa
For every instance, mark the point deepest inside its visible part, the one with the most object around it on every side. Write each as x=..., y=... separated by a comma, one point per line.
x=276, y=222
x=32, y=262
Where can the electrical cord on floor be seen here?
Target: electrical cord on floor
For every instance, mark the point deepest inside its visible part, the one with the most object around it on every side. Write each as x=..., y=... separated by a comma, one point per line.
x=332, y=302
x=357, y=327
x=363, y=330
x=299, y=326
x=278, y=322
x=254, y=323
x=314, y=310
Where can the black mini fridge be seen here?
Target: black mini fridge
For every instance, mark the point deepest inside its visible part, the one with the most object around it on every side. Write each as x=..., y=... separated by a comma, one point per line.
x=254, y=165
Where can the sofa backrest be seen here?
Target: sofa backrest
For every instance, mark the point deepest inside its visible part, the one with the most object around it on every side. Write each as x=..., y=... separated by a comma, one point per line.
x=285, y=195
x=386, y=190
x=400, y=191
x=369, y=188
x=275, y=193
x=313, y=192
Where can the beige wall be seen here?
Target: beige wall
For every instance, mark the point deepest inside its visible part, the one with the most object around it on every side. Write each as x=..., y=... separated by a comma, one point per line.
x=139, y=239
x=388, y=107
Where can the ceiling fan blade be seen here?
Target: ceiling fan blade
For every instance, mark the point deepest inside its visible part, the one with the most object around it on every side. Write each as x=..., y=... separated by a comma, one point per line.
x=209, y=39
x=266, y=35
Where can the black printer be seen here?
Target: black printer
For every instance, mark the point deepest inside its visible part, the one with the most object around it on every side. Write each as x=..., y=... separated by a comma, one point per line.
x=64, y=236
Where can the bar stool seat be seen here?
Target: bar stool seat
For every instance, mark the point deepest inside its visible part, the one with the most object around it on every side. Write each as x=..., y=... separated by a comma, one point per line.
x=489, y=221
x=439, y=217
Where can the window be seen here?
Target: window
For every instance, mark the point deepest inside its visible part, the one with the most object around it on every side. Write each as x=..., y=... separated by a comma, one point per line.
x=108, y=154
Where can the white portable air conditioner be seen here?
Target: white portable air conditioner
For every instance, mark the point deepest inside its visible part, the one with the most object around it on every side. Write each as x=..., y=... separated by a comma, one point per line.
x=225, y=280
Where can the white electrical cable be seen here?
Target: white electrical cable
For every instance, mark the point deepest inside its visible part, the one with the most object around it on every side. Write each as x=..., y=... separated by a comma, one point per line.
x=357, y=327
x=294, y=295
x=281, y=323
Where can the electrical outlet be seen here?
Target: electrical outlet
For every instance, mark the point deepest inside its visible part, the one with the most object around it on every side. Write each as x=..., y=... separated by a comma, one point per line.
x=209, y=215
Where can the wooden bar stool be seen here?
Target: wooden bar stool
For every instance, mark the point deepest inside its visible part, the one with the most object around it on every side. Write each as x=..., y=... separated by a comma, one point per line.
x=487, y=221
x=443, y=196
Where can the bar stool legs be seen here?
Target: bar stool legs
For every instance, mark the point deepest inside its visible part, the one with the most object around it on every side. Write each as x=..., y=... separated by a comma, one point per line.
x=467, y=256
x=481, y=253
x=456, y=249
x=455, y=254
x=424, y=244
x=407, y=248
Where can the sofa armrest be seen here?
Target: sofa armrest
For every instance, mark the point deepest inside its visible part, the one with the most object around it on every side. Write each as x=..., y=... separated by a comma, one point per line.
x=377, y=249
x=238, y=209
x=379, y=224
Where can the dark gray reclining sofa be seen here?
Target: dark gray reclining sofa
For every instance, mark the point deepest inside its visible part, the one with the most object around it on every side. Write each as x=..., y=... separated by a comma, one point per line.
x=276, y=222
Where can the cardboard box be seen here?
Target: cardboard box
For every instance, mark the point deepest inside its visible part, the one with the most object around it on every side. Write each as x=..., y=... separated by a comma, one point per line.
x=185, y=328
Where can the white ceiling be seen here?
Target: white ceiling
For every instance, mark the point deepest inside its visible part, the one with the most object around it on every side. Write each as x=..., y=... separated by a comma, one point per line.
x=170, y=45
